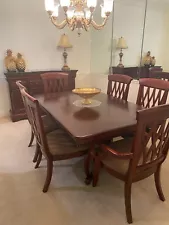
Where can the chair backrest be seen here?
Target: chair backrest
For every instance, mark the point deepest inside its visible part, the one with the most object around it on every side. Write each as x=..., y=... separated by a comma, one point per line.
x=54, y=82
x=152, y=92
x=36, y=121
x=118, y=86
x=160, y=75
x=22, y=87
x=151, y=142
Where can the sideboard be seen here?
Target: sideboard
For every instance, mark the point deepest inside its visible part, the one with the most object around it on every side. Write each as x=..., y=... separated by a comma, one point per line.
x=32, y=81
x=135, y=72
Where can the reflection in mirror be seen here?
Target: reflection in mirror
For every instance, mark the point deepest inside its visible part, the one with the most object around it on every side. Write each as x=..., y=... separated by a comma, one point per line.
x=127, y=36
x=155, y=47
x=101, y=44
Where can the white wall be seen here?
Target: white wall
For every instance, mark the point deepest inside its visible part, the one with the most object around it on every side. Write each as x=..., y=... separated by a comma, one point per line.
x=25, y=28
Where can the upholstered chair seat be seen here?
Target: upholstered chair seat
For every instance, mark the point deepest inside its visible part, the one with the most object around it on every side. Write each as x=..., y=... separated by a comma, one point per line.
x=60, y=143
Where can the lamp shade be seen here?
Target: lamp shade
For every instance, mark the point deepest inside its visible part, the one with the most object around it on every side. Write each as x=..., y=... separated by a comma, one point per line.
x=122, y=43
x=64, y=42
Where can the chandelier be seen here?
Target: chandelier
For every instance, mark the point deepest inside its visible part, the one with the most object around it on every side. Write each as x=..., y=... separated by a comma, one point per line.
x=78, y=13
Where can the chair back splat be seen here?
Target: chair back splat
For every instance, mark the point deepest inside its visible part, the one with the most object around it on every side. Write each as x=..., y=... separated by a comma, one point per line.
x=54, y=82
x=152, y=92
x=118, y=86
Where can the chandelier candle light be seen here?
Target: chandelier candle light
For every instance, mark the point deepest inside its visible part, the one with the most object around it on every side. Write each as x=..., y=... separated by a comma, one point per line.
x=121, y=45
x=78, y=13
x=64, y=43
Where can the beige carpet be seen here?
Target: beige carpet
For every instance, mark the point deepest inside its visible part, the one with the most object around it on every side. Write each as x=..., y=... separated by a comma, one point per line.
x=68, y=201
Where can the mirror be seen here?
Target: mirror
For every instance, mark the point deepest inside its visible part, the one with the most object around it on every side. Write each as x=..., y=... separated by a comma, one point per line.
x=101, y=44
x=156, y=37
x=127, y=37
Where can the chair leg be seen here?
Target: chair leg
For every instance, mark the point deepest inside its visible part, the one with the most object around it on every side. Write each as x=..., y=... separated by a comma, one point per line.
x=49, y=175
x=36, y=153
x=127, y=193
x=31, y=140
x=38, y=160
x=96, y=170
x=87, y=162
x=158, y=184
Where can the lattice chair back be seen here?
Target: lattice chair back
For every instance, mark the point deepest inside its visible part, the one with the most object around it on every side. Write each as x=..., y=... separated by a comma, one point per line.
x=151, y=143
x=152, y=92
x=118, y=86
x=36, y=121
x=54, y=82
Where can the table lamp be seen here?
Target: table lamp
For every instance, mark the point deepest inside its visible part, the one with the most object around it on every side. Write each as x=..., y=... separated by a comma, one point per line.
x=64, y=43
x=121, y=45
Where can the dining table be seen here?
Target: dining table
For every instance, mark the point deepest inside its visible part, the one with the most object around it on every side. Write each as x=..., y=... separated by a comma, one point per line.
x=112, y=118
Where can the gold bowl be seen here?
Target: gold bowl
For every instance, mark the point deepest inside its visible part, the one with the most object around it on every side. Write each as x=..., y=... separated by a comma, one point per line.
x=86, y=94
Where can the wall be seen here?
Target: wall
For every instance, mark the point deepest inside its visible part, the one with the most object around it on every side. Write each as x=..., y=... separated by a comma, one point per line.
x=25, y=28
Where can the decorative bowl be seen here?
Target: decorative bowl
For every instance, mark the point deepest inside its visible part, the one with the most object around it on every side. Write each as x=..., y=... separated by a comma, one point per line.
x=86, y=94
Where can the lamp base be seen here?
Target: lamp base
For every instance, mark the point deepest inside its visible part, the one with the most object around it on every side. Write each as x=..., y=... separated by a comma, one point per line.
x=65, y=68
x=120, y=65
x=120, y=62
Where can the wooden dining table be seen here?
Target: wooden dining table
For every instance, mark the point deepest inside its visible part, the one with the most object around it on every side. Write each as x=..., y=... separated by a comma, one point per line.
x=110, y=119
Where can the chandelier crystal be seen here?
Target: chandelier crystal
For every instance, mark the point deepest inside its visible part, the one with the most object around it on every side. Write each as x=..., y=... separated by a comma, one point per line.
x=78, y=13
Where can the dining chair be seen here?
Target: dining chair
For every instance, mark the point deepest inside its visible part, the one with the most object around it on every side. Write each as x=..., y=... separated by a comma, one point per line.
x=152, y=92
x=48, y=122
x=134, y=159
x=118, y=86
x=54, y=82
x=56, y=145
x=21, y=86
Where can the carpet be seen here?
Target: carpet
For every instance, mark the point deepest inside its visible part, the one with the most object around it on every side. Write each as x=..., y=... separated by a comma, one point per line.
x=69, y=201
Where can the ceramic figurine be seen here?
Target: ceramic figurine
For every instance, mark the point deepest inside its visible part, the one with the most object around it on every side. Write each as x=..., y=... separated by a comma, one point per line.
x=10, y=61
x=153, y=61
x=20, y=63
x=147, y=59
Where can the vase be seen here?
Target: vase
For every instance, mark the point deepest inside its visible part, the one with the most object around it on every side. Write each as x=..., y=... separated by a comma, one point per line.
x=20, y=63
x=153, y=61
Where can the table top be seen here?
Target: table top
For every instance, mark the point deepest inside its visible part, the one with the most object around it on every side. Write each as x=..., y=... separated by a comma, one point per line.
x=113, y=117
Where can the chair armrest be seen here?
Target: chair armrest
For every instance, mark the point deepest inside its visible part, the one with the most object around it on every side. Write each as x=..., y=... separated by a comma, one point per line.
x=117, y=154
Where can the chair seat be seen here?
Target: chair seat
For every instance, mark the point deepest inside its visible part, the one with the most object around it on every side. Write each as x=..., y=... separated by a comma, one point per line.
x=60, y=143
x=49, y=124
x=119, y=165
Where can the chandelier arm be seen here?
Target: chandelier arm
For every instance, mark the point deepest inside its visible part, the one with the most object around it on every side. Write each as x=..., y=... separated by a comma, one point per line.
x=72, y=27
x=58, y=25
x=86, y=25
x=99, y=26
